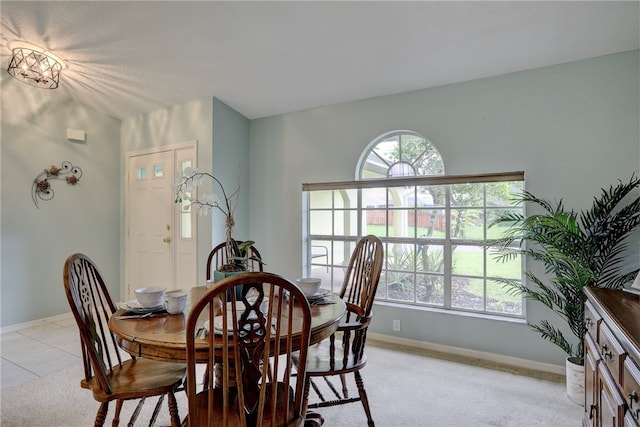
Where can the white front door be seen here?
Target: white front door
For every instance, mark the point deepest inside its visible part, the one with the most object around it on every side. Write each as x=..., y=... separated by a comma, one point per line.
x=157, y=252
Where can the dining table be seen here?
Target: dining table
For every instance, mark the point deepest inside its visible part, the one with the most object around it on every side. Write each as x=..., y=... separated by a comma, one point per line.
x=162, y=336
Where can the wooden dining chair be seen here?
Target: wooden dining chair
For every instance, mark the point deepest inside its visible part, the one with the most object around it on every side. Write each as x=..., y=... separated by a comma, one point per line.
x=239, y=343
x=330, y=359
x=218, y=257
x=106, y=373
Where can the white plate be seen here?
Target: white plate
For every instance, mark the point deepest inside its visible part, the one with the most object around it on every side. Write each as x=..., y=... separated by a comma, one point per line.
x=319, y=295
x=217, y=326
x=135, y=307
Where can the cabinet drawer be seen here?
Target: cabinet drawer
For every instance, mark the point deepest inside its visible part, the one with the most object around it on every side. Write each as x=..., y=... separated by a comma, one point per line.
x=631, y=388
x=611, y=408
x=612, y=353
x=629, y=420
x=592, y=319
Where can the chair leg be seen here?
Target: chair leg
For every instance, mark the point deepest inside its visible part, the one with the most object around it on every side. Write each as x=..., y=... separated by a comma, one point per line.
x=305, y=395
x=136, y=412
x=102, y=414
x=316, y=389
x=345, y=390
x=116, y=417
x=363, y=398
x=173, y=410
x=156, y=411
x=331, y=387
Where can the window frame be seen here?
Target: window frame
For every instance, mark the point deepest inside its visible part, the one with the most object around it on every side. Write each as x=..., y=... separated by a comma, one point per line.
x=446, y=242
x=403, y=157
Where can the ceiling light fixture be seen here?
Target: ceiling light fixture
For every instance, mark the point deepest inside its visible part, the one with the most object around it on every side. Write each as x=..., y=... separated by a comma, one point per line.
x=35, y=66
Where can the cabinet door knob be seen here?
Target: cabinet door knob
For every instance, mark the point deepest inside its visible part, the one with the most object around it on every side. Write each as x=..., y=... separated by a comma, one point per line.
x=633, y=397
x=605, y=352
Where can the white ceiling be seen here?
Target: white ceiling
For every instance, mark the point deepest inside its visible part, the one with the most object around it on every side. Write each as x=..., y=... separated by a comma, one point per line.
x=264, y=58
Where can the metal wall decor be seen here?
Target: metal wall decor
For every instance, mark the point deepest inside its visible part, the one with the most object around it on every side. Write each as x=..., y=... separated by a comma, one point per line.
x=42, y=190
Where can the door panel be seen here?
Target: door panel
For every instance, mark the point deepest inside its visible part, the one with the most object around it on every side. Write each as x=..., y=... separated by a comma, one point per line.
x=161, y=235
x=150, y=208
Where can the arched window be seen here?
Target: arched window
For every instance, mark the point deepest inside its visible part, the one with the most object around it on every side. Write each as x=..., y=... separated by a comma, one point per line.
x=432, y=225
x=400, y=154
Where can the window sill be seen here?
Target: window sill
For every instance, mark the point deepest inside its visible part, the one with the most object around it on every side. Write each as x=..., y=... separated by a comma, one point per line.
x=476, y=315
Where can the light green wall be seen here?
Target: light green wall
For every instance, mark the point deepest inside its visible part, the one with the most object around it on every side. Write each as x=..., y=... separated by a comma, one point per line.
x=231, y=165
x=81, y=218
x=89, y=217
x=572, y=128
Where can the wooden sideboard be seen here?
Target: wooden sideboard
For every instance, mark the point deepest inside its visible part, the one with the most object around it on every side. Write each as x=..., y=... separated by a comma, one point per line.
x=612, y=359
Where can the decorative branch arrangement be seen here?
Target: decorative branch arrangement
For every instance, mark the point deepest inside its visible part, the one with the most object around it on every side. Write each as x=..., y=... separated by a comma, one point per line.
x=41, y=188
x=188, y=181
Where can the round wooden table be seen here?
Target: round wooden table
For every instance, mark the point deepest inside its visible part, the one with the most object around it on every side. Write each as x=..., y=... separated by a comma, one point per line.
x=163, y=337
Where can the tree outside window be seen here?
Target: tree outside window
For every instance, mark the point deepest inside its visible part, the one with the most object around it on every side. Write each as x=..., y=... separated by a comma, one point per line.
x=432, y=225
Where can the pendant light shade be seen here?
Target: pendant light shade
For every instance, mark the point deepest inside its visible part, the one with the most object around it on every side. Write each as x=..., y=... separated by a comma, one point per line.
x=33, y=66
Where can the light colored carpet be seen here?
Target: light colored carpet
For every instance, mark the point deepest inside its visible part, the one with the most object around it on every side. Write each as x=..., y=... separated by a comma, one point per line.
x=406, y=388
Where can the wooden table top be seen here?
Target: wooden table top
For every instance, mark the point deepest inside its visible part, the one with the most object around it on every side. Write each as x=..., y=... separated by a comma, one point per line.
x=164, y=338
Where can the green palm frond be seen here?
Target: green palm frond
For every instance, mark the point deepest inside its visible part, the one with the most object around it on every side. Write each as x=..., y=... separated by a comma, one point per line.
x=554, y=335
x=577, y=250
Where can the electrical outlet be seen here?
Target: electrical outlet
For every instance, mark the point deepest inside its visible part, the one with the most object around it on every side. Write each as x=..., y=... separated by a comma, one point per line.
x=396, y=325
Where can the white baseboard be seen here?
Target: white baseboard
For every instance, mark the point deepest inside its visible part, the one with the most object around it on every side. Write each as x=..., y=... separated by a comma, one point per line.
x=30, y=324
x=490, y=357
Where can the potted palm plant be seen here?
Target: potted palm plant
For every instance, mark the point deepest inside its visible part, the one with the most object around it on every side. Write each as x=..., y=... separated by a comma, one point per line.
x=577, y=249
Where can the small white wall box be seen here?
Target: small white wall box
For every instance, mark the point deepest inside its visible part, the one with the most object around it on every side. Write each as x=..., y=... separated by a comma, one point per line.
x=75, y=134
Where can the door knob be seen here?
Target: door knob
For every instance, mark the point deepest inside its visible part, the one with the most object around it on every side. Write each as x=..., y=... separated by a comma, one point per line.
x=167, y=240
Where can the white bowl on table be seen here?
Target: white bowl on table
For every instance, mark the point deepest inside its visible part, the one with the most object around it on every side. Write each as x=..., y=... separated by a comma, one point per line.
x=309, y=285
x=151, y=296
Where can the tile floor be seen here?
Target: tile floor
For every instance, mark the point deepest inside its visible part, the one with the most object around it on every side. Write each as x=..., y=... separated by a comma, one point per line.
x=39, y=350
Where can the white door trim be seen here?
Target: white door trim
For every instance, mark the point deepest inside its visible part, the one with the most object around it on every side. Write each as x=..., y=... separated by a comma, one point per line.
x=190, y=144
